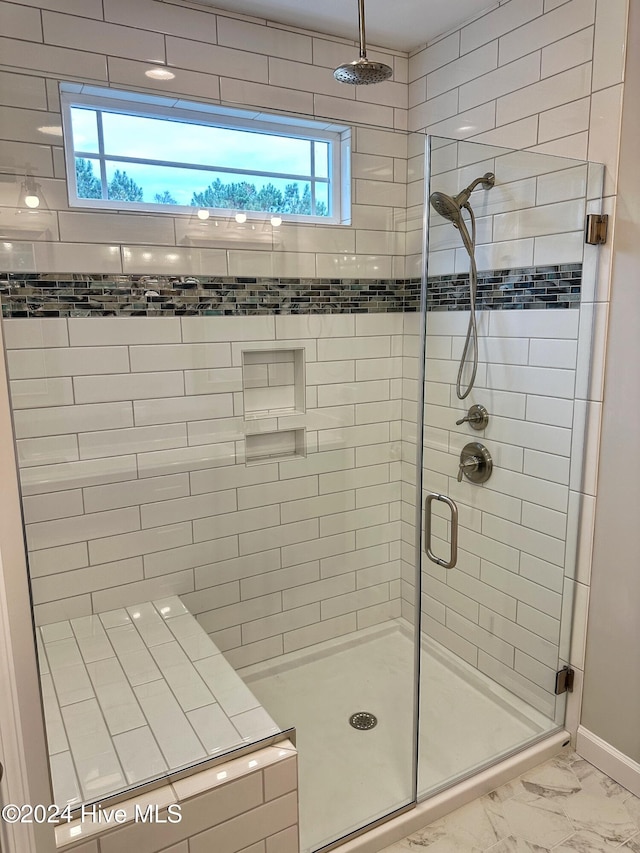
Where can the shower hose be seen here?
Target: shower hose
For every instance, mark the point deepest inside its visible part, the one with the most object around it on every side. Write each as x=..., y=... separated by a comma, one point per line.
x=472, y=329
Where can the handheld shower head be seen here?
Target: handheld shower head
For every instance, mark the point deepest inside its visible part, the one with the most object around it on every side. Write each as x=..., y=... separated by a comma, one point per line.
x=446, y=206
x=450, y=206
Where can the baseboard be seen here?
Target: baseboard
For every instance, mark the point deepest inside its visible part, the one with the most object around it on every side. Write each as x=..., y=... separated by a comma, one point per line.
x=610, y=760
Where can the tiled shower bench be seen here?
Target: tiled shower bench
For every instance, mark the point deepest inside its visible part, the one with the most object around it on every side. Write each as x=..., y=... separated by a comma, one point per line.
x=131, y=695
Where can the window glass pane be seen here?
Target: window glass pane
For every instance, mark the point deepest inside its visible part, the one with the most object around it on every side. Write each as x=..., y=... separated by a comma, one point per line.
x=182, y=142
x=323, y=207
x=85, y=129
x=168, y=185
x=88, y=178
x=321, y=150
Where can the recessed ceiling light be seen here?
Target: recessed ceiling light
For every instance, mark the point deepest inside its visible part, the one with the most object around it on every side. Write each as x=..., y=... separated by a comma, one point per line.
x=160, y=74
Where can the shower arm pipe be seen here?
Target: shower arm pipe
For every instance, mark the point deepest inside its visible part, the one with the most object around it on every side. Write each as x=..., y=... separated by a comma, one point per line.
x=363, y=43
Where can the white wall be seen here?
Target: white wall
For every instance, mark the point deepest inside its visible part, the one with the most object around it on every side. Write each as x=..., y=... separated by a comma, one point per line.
x=546, y=76
x=217, y=58
x=131, y=443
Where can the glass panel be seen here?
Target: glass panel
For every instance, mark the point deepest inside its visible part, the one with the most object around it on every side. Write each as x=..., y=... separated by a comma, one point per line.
x=240, y=563
x=85, y=130
x=495, y=627
x=88, y=178
x=183, y=142
x=322, y=200
x=321, y=154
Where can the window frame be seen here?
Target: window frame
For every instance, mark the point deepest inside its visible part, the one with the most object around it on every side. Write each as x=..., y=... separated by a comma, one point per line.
x=212, y=115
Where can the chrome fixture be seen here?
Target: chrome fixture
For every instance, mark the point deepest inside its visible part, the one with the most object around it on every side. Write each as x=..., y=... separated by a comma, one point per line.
x=477, y=417
x=453, y=559
x=362, y=71
x=450, y=207
x=475, y=463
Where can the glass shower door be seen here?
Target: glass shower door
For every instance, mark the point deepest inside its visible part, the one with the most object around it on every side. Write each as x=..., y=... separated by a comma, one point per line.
x=496, y=625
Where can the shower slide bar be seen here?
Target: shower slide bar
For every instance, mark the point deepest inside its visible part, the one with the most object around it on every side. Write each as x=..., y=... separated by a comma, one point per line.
x=454, y=530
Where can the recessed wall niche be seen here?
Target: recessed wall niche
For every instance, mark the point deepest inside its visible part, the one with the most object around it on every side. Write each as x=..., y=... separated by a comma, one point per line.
x=274, y=446
x=273, y=383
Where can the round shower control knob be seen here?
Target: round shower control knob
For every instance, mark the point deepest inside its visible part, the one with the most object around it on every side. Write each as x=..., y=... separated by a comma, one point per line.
x=475, y=463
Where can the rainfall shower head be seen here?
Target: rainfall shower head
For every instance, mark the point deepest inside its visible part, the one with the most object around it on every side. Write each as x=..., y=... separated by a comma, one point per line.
x=450, y=206
x=362, y=71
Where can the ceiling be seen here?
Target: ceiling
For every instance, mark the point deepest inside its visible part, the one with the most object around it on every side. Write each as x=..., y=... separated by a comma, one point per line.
x=399, y=24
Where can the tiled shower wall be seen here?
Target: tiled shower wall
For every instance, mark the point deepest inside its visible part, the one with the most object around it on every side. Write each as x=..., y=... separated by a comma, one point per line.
x=217, y=58
x=546, y=76
x=131, y=441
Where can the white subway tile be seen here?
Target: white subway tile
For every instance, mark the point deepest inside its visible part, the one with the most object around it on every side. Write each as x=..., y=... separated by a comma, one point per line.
x=49, y=507
x=567, y=52
x=113, y=227
x=546, y=465
x=65, y=531
x=57, y=449
x=271, y=493
x=544, y=520
x=488, y=86
x=469, y=66
x=219, y=329
x=100, y=37
x=263, y=40
x=171, y=260
x=282, y=536
x=540, y=545
x=180, y=409
x=111, y=331
x=232, y=476
x=241, y=521
x=80, y=581
x=180, y=357
x=563, y=21
x=66, y=419
x=118, y=596
x=214, y=59
x=53, y=60
x=34, y=332
x=518, y=636
x=548, y=93
x=609, y=47
x=540, y=221
x=190, y=556
x=69, y=361
x=34, y=393
x=559, y=249
x=353, y=392
x=563, y=121
x=50, y=561
x=172, y=730
x=498, y=22
x=119, y=547
x=279, y=623
x=233, y=91
x=111, y=443
x=128, y=386
x=196, y=25
x=534, y=324
x=94, y=756
x=184, y=509
x=70, y=475
x=279, y=579
x=606, y=107
x=317, y=633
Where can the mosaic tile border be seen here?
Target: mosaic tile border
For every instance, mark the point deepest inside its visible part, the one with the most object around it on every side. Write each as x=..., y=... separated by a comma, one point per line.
x=88, y=295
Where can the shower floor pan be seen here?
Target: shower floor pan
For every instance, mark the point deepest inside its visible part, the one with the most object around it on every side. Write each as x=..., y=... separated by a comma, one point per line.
x=348, y=778
x=130, y=695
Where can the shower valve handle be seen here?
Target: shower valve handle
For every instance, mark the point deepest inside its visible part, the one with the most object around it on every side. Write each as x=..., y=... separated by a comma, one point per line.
x=468, y=465
x=477, y=417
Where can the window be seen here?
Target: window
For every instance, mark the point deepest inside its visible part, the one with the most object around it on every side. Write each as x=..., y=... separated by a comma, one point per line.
x=130, y=151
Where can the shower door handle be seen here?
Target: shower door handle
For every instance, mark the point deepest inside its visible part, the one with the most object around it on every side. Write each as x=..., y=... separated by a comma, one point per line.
x=454, y=530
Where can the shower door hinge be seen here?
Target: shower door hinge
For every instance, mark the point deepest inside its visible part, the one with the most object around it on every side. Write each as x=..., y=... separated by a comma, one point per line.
x=564, y=680
x=596, y=230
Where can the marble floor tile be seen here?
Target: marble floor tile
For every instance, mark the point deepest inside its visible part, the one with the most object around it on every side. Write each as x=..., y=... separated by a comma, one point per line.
x=605, y=817
x=565, y=805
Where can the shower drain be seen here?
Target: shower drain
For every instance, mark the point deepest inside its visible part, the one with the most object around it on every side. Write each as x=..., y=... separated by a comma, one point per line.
x=363, y=720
